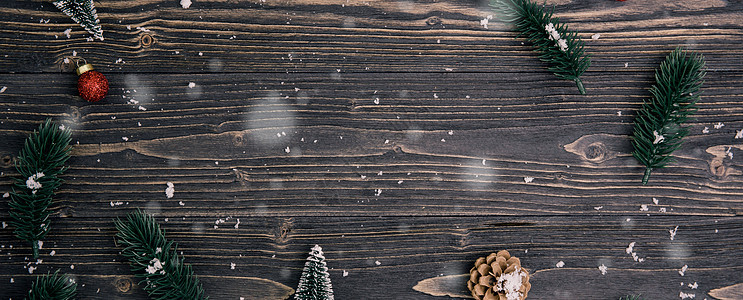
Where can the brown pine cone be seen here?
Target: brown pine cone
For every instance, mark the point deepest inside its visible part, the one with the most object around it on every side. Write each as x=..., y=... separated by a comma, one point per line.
x=499, y=277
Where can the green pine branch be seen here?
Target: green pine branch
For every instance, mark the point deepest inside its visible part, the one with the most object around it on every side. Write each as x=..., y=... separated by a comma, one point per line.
x=82, y=12
x=659, y=128
x=53, y=287
x=39, y=164
x=561, y=48
x=154, y=259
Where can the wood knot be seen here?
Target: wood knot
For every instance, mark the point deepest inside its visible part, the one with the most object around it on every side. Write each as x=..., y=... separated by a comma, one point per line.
x=433, y=21
x=7, y=160
x=146, y=40
x=717, y=168
x=123, y=285
x=595, y=151
x=238, y=140
x=75, y=115
x=281, y=233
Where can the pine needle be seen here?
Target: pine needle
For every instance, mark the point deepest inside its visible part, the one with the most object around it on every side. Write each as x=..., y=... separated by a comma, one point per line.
x=39, y=163
x=561, y=48
x=83, y=12
x=632, y=297
x=52, y=287
x=659, y=128
x=154, y=259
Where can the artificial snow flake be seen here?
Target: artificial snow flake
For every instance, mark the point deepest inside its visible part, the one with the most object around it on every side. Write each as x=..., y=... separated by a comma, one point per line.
x=739, y=134
x=603, y=269
x=32, y=183
x=560, y=264
x=673, y=233
x=644, y=207
x=169, y=190
x=191, y=84
x=232, y=266
x=658, y=137
x=693, y=286
x=511, y=283
x=2, y=89
x=705, y=130
x=682, y=272
x=596, y=36
x=528, y=179
x=484, y=22
x=683, y=295
x=155, y=265
x=719, y=125
x=186, y=3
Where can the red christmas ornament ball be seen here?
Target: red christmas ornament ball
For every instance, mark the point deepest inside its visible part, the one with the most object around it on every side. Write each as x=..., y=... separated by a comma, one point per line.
x=92, y=85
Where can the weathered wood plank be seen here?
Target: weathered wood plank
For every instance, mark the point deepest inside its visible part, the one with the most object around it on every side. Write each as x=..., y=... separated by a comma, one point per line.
x=457, y=136
x=269, y=252
x=354, y=36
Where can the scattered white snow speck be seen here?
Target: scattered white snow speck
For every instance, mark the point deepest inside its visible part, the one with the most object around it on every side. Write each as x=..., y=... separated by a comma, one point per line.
x=155, y=265
x=72, y=267
x=169, y=190
x=377, y=263
x=705, y=130
x=345, y=273
x=655, y=201
x=658, y=137
x=376, y=100
x=630, y=248
x=363, y=176
x=32, y=183
x=186, y=3
x=6, y=195
x=451, y=132
x=287, y=150
x=181, y=203
x=738, y=133
x=4, y=225
x=52, y=253
x=598, y=207
x=11, y=280
x=143, y=29
x=644, y=207
x=158, y=250
x=484, y=22
x=117, y=203
x=528, y=179
x=683, y=295
x=141, y=108
x=662, y=209
x=694, y=286
x=560, y=264
x=237, y=225
x=377, y=192
x=2, y=90
x=232, y=266
x=443, y=140
x=596, y=36
x=603, y=269
x=67, y=32
x=126, y=139
x=682, y=272
x=191, y=84
x=673, y=233
x=626, y=65
x=31, y=269
x=435, y=96
x=719, y=125
x=201, y=54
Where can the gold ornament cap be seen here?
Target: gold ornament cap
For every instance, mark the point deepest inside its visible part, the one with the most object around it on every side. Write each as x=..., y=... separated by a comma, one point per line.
x=84, y=68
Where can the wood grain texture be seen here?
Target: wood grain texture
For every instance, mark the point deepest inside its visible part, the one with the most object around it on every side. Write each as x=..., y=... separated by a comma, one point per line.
x=398, y=135
x=356, y=36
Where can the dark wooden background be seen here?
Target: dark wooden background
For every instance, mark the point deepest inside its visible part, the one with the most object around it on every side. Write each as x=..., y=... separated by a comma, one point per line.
x=403, y=193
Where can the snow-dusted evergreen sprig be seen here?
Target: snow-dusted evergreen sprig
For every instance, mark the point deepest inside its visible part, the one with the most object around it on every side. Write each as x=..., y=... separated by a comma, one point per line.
x=83, y=12
x=315, y=281
x=154, y=259
x=561, y=48
x=632, y=297
x=659, y=128
x=39, y=162
x=53, y=286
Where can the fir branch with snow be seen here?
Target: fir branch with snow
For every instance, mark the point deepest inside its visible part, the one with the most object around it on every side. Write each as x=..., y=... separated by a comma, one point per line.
x=561, y=48
x=83, y=12
x=659, y=128
x=315, y=281
x=53, y=286
x=155, y=260
x=39, y=163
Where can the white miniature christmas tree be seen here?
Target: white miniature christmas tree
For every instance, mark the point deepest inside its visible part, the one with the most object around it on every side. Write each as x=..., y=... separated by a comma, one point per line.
x=315, y=281
x=83, y=12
